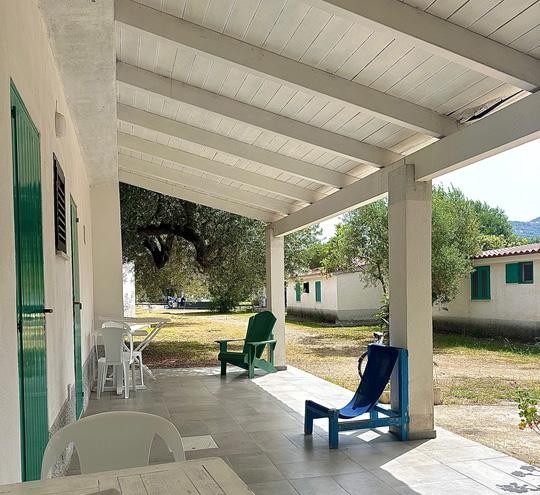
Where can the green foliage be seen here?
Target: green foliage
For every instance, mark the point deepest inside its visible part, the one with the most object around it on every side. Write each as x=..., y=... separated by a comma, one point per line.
x=528, y=412
x=492, y=221
x=383, y=315
x=179, y=276
x=303, y=250
x=455, y=232
x=362, y=241
x=178, y=246
x=314, y=254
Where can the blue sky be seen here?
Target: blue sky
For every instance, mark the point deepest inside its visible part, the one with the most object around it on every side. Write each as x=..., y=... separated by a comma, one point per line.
x=510, y=180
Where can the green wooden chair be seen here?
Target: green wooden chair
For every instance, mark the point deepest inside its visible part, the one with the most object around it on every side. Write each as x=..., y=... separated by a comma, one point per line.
x=258, y=336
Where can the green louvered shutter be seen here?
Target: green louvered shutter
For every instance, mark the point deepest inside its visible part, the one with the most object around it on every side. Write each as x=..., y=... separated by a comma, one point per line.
x=318, y=291
x=481, y=283
x=512, y=273
x=30, y=288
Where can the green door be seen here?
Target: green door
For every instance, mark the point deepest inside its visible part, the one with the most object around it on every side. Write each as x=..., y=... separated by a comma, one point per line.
x=30, y=288
x=77, y=306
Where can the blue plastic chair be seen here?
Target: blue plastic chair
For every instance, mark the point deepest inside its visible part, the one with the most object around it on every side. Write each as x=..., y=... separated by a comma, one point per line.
x=381, y=362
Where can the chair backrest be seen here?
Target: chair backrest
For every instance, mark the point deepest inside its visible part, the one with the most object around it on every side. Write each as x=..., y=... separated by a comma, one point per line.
x=260, y=328
x=112, y=440
x=113, y=342
x=381, y=362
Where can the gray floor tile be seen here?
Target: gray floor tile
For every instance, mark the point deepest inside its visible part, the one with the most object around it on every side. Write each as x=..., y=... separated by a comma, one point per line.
x=364, y=483
x=282, y=487
x=254, y=468
x=318, y=486
x=190, y=428
x=464, y=487
x=257, y=426
x=493, y=478
x=310, y=469
x=397, y=474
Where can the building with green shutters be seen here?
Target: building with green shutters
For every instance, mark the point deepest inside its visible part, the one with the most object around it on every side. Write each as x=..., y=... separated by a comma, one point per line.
x=500, y=297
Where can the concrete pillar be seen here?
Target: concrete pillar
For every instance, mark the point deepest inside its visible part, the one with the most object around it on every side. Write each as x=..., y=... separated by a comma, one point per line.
x=107, y=251
x=275, y=291
x=409, y=225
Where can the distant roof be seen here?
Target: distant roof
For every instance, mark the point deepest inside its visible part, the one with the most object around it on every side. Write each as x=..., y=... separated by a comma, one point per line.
x=510, y=251
x=318, y=271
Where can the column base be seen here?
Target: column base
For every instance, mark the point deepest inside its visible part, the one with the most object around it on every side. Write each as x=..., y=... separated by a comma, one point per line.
x=281, y=368
x=416, y=435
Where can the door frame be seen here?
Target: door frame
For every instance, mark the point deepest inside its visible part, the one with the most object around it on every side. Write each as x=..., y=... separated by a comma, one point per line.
x=77, y=307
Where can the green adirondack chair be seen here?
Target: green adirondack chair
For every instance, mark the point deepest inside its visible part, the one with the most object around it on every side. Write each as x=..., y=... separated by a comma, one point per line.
x=258, y=336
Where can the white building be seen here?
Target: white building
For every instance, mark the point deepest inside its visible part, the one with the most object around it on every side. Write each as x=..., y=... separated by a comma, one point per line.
x=500, y=297
x=341, y=296
x=271, y=116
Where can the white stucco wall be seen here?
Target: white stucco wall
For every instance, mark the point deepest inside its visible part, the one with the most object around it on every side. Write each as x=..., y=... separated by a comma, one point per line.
x=26, y=58
x=307, y=305
x=355, y=300
x=344, y=296
x=511, y=305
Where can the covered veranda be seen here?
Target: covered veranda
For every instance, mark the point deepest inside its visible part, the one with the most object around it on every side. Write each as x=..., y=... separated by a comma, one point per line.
x=292, y=112
x=257, y=427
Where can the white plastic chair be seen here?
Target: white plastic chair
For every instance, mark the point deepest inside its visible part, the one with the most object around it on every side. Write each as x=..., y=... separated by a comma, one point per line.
x=112, y=440
x=137, y=355
x=113, y=335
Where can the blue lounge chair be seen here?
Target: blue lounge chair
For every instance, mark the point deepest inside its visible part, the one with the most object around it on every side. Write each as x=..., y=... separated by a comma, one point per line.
x=381, y=362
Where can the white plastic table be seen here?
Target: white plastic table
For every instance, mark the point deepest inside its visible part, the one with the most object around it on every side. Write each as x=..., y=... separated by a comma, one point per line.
x=210, y=476
x=141, y=327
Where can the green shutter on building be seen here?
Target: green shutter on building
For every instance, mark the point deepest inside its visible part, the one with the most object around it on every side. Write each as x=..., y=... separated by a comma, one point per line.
x=519, y=273
x=318, y=291
x=512, y=273
x=481, y=283
x=298, y=291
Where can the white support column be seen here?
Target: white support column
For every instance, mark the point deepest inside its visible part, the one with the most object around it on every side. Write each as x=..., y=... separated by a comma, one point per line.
x=409, y=224
x=275, y=291
x=107, y=251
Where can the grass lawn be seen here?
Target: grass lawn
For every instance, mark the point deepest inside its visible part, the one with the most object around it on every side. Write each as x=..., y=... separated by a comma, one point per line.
x=468, y=370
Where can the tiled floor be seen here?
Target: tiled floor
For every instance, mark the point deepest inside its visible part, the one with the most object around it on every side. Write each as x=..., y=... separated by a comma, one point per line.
x=257, y=426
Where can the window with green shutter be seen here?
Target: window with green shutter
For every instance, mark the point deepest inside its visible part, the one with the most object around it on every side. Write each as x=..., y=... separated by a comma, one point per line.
x=481, y=283
x=520, y=273
x=318, y=291
x=512, y=273
x=298, y=291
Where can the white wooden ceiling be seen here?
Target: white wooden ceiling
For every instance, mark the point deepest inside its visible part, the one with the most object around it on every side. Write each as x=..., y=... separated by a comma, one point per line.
x=293, y=172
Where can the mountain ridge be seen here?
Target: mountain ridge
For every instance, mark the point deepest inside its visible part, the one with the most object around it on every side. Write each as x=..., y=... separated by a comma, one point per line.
x=529, y=230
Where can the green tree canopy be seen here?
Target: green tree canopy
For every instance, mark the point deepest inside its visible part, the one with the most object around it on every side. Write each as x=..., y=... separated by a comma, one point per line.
x=180, y=245
x=362, y=240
